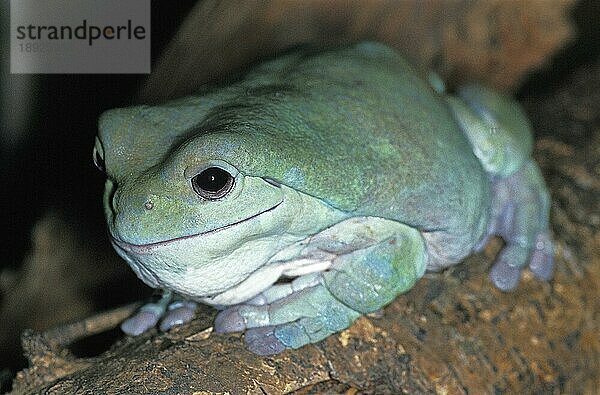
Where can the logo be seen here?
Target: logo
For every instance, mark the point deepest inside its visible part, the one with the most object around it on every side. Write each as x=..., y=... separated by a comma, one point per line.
x=80, y=36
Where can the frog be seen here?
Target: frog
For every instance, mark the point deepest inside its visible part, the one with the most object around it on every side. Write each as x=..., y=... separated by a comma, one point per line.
x=314, y=190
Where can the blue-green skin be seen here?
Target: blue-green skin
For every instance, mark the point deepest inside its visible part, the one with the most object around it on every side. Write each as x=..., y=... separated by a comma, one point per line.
x=351, y=137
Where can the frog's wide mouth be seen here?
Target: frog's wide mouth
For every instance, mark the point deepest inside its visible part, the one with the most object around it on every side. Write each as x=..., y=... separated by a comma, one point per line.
x=150, y=247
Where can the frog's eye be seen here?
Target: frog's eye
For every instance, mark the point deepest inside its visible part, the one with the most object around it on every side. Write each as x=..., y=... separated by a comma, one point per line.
x=213, y=183
x=98, y=156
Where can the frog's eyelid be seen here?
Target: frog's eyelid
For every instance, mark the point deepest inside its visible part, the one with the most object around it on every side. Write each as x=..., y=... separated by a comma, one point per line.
x=191, y=171
x=272, y=182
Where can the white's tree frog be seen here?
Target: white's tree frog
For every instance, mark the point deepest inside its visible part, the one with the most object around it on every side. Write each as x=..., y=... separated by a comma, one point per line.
x=317, y=189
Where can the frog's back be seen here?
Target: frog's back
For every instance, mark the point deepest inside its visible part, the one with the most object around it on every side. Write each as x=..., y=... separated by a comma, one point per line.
x=371, y=137
x=359, y=129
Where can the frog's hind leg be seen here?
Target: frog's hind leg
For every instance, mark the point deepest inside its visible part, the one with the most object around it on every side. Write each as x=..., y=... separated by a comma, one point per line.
x=520, y=216
x=500, y=136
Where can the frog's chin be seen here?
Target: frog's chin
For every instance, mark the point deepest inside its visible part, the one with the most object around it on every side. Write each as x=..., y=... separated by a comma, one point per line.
x=208, y=264
x=192, y=271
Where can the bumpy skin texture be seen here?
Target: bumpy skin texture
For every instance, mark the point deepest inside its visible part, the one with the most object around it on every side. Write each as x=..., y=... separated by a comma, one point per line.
x=351, y=177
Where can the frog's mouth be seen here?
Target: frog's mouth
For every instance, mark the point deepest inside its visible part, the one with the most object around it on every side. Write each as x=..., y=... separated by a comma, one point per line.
x=150, y=247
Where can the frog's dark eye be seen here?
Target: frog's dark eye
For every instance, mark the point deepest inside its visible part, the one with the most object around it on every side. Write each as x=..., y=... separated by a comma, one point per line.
x=212, y=183
x=98, y=159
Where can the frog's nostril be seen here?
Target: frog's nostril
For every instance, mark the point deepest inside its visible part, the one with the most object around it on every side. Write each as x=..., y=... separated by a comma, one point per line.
x=149, y=205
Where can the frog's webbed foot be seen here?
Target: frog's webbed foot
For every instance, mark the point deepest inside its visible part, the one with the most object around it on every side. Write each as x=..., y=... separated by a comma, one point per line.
x=520, y=216
x=170, y=313
x=316, y=305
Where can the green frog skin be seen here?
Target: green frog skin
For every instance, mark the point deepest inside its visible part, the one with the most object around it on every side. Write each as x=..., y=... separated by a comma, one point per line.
x=317, y=189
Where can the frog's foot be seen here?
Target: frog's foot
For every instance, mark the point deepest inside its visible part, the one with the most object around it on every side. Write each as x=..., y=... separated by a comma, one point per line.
x=144, y=319
x=291, y=316
x=166, y=311
x=520, y=216
x=316, y=305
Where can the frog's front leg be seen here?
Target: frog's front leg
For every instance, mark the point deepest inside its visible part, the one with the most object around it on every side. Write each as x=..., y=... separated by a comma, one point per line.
x=169, y=311
x=315, y=305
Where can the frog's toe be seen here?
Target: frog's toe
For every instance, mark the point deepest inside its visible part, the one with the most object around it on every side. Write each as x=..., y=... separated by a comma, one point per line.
x=262, y=341
x=274, y=339
x=542, y=258
x=229, y=320
x=178, y=313
x=506, y=271
x=505, y=276
x=168, y=312
x=140, y=322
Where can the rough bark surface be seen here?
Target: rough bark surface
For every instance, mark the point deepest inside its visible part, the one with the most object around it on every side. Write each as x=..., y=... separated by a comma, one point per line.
x=453, y=333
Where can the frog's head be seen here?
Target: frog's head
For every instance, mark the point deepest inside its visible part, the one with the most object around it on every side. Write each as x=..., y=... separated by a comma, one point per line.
x=182, y=205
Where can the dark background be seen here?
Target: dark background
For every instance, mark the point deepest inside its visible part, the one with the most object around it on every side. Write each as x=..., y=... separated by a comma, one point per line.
x=49, y=167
